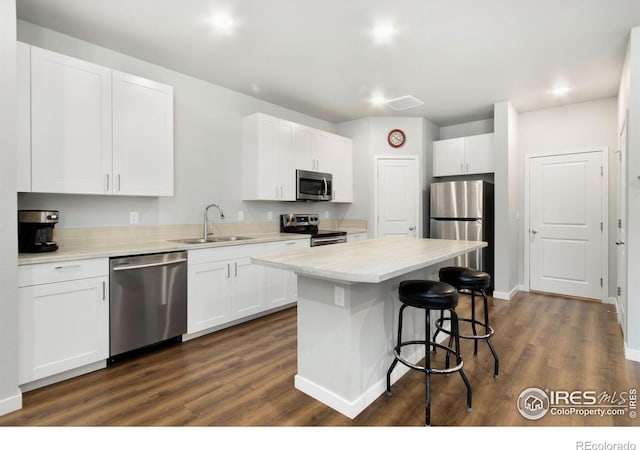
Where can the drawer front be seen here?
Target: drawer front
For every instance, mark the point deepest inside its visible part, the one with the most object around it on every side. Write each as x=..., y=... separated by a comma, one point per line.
x=34, y=274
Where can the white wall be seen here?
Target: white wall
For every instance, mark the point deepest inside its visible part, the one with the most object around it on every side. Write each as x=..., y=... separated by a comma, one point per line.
x=208, y=143
x=10, y=397
x=467, y=129
x=506, y=200
x=574, y=127
x=370, y=140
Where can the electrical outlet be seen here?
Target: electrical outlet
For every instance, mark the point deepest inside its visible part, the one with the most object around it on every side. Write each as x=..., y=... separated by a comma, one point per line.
x=326, y=214
x=240, y=216
x=269, y=215
x=338, y=295
x=134, y=218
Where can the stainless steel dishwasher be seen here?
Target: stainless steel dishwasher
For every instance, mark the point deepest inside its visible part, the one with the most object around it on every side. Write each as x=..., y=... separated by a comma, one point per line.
x=147, y=301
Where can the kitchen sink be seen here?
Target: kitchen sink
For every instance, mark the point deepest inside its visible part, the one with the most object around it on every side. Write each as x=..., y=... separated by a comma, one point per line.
x=211, y=239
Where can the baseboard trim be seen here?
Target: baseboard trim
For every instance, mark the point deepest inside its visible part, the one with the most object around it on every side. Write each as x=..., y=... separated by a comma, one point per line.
x=506, y=295
x=610, y=301
x=631, y=353
x=354, y=407
x=11, y=404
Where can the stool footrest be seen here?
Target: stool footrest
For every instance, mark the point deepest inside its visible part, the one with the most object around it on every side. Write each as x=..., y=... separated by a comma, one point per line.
x=455, y=368
x=439, y=323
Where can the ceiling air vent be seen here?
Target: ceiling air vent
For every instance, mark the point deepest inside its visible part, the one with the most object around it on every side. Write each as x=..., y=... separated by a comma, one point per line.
x=402, y=103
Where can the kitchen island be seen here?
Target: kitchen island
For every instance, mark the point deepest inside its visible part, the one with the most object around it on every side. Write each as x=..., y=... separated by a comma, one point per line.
x=347, y=312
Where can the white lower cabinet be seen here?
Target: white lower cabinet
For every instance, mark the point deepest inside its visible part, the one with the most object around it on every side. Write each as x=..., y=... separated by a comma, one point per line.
x=281, y=286
x=64, y=317
x=223, y=285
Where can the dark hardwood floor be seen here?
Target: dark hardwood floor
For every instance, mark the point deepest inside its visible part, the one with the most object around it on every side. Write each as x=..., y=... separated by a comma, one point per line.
x=243, y=376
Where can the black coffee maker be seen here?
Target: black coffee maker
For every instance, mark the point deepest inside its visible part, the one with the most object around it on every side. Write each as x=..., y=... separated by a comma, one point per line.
x=35, y=231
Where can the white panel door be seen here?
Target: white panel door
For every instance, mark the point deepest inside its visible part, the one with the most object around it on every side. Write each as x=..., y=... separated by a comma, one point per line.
x=70, y=124
x=398, y=194
x=142, y=136
x=565, y=224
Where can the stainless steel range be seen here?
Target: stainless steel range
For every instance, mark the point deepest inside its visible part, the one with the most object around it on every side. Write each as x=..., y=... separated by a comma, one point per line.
x=308, y=224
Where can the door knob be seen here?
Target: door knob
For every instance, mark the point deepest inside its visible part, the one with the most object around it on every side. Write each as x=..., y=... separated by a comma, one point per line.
x=411, y=228
x=534, y=231
x=620, y=243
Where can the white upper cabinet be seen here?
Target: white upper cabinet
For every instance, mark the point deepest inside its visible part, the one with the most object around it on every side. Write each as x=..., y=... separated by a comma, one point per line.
x=313, y=149
x=268, y=165
x=342, y=168
x=23, y=125
x=142, y=136
x=272, y=150
x=465, y=155
x=70, y=124
x=92, y=130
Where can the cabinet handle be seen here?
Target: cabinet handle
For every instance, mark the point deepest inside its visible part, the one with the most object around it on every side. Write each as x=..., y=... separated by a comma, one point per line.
x=467, y=167
x=235, y=269
x=104, y=291
x=289, y=244
x=228, y=270
x=70, y=266
x=461, y=167
x=107, y=183
x=118, y=182
x=281, y=192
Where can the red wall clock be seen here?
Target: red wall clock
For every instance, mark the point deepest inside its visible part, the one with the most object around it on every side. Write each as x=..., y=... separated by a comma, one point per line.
x=396, y=138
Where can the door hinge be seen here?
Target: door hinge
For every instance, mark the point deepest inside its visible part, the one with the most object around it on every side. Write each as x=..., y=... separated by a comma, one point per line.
x=619, y=291
x=619, y=223
x=601, y=282
x=601, y=226
x=601, y=171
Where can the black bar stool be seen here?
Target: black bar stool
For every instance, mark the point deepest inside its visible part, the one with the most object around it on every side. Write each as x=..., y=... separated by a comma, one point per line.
x=474, y=282
x=429, y=295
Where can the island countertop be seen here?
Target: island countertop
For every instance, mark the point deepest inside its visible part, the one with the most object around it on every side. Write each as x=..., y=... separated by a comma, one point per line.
x=368, y=261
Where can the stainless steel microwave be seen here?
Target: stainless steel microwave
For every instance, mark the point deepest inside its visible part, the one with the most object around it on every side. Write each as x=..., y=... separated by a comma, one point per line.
x=313, y=186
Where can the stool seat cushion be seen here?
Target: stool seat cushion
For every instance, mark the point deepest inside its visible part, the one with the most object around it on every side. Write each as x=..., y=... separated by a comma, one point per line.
x=465, y=278
x=428, y=294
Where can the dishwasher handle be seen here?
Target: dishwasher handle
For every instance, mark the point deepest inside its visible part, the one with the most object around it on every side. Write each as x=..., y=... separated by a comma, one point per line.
x=142, y=266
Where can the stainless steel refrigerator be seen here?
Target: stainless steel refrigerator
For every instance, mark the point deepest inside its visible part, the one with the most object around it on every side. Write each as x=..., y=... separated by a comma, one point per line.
x=463, y=210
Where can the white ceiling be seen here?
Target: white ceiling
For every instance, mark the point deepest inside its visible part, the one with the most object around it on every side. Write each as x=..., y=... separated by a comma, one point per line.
x=318, y=56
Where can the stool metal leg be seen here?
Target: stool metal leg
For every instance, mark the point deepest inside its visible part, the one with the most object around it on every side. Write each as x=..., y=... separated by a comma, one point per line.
x=398, y=348
x=427, y=366
x=473, y=322
x=496, y=365
x=456, y=332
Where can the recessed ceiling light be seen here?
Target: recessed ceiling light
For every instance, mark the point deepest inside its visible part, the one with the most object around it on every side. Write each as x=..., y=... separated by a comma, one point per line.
x=383, y=33
x=222, y=23
x=561, y=90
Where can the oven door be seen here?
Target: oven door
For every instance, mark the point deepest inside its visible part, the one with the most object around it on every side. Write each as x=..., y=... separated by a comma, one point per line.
x=313, y=186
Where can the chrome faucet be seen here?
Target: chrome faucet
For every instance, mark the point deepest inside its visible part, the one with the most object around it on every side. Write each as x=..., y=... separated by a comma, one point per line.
x=206, y=213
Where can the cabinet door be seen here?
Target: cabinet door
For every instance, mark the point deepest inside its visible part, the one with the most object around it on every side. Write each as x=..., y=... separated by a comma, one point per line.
x=322, y=155
x=342, y=169
x=286, y=169
x=23, y=93
x=208, y=295
x=303, y=148
x=281, y=286
x=142, y=136
x=63, y=326
x=448, y=157
x=246, y=288
x=479, y=154
x=70, y=124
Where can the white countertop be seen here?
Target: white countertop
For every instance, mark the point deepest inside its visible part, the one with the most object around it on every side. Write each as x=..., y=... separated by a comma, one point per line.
x=141, y=248
x=368, y=261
